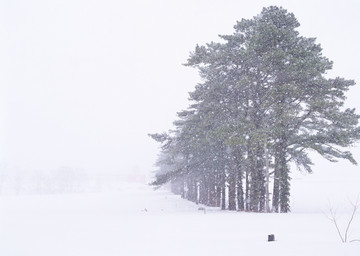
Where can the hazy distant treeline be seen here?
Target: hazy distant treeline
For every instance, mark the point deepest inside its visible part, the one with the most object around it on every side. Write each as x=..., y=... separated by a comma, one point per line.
x=62, y=180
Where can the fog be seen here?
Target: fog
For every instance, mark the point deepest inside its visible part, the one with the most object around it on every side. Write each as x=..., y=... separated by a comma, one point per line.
x=82, y=83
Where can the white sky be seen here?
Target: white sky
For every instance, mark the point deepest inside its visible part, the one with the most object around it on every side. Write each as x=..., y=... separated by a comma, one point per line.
x=82, y=82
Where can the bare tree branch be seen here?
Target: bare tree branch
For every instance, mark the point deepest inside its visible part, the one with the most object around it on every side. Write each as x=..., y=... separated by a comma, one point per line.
x=334, y=219
x=355, y=207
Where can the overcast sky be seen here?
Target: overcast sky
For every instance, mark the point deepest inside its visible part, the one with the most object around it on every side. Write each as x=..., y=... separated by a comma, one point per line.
x=83, y=82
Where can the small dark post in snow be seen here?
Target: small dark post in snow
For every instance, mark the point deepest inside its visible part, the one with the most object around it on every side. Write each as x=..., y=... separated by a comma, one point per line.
x=202, y=209
x=271, y=238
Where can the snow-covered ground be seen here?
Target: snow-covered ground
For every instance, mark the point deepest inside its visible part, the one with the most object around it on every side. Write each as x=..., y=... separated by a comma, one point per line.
x=139, y=221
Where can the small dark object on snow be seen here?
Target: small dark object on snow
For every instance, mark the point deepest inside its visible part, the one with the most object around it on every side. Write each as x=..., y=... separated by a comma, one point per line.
x=202, y=209
x=271, y=238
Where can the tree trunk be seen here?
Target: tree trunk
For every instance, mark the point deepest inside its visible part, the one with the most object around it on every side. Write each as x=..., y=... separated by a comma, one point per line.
x=218, y=196
x=276, y=189
x=247, y=190
x=281, y=194
x=257, y=193
x=223, y=201
x=267, y=179
x=240, y=191
x=212, y=192
x=232, y=190
x=284, y=184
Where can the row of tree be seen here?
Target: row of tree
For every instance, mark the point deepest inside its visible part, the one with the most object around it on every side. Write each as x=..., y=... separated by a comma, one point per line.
x=263, y=102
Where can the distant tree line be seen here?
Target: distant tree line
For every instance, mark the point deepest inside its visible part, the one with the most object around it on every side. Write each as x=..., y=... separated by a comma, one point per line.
x=63, y=180
x=264, y=102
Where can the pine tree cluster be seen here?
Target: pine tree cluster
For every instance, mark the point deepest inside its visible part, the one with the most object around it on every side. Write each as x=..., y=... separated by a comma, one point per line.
x=263, y=102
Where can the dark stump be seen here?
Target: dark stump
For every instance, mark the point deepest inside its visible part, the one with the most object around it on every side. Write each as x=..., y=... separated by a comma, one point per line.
x=271, y=238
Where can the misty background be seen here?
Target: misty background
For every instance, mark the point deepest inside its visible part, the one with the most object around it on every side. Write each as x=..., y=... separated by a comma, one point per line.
x=82, y=83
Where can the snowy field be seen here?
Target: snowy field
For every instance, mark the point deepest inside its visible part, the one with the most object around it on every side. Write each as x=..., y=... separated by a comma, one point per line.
x=139, y=221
